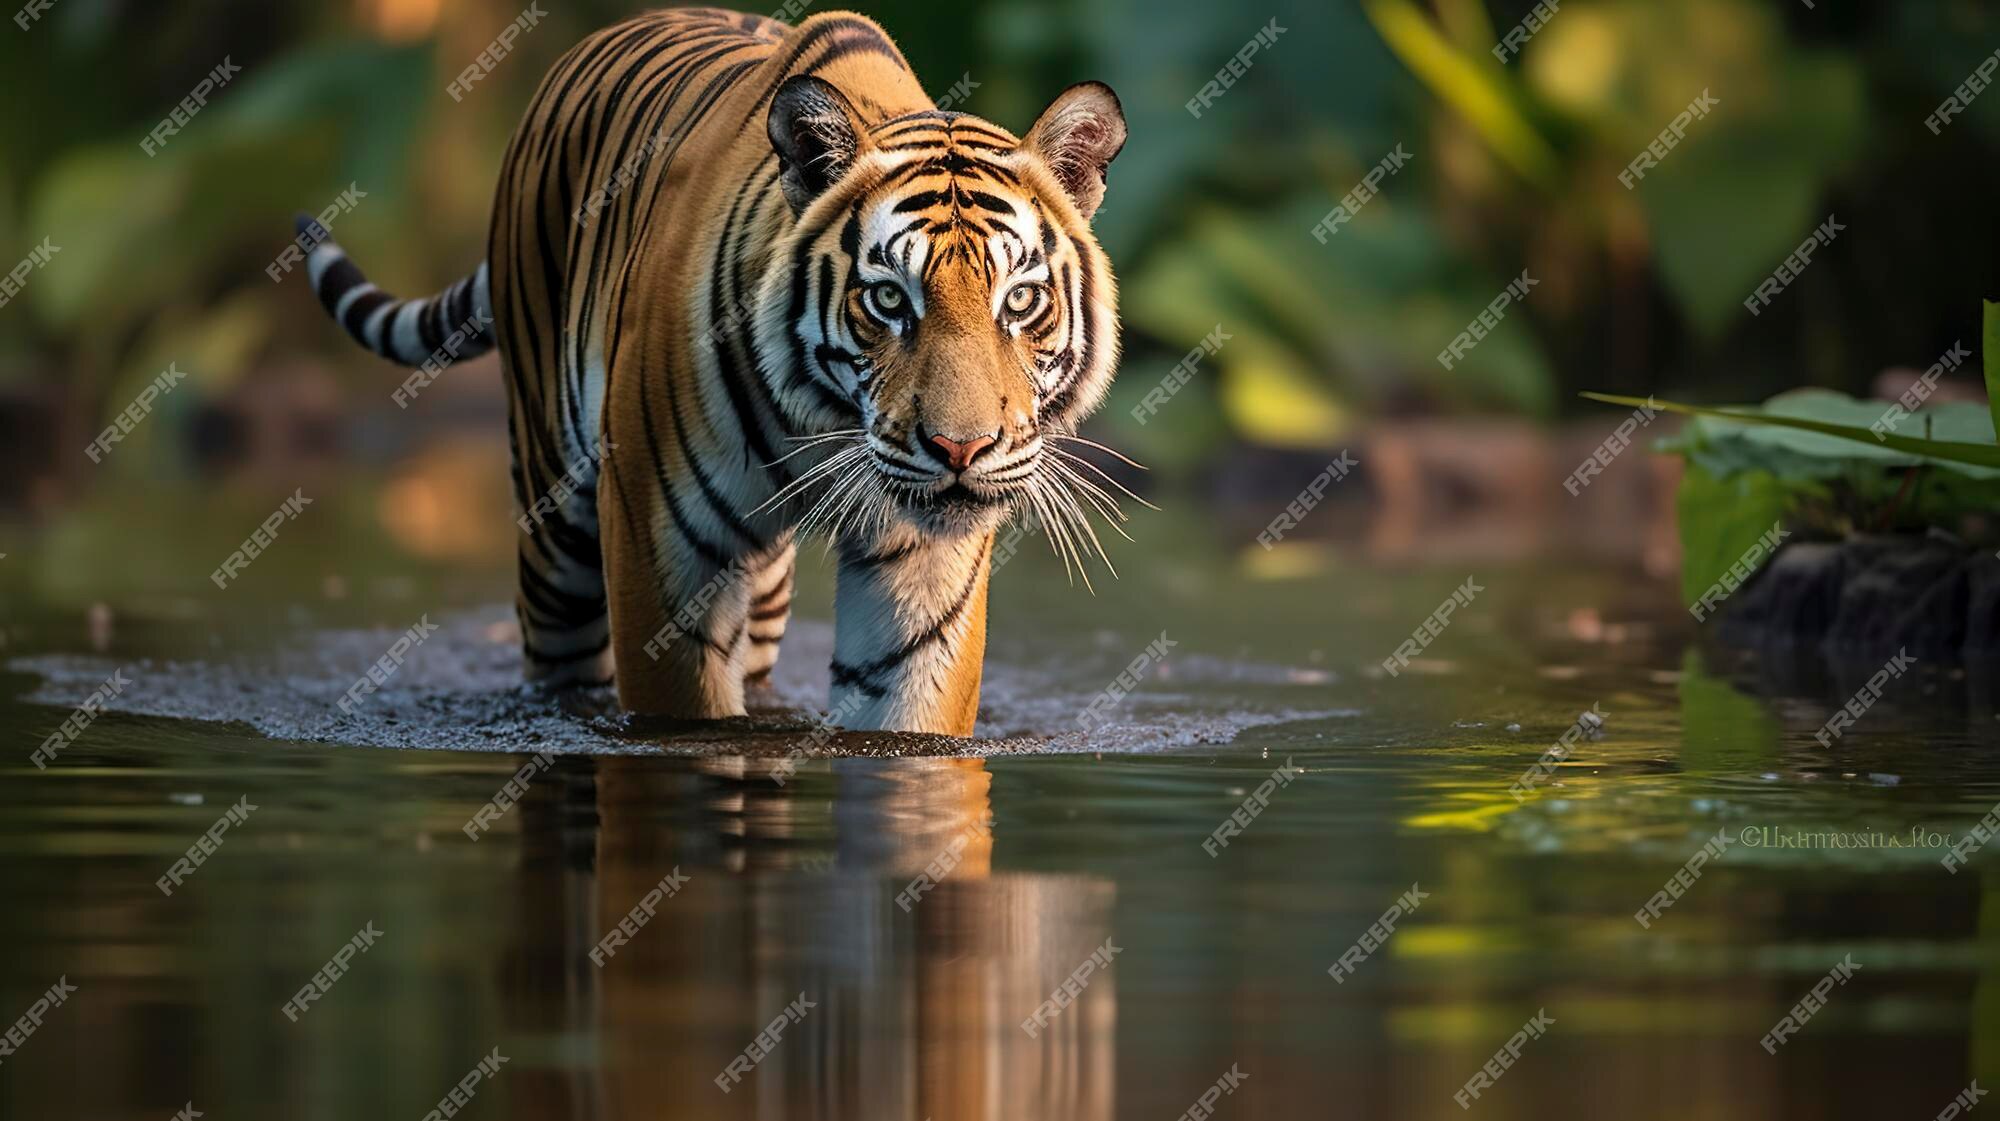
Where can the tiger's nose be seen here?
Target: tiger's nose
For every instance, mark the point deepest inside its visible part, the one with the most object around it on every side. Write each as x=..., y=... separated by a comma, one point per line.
x=953, y=453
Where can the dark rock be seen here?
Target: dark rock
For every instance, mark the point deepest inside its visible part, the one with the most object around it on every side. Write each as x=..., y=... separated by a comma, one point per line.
x=1982, y=604
x=1872, y=595
x=1901, y=592
x=1796, y=595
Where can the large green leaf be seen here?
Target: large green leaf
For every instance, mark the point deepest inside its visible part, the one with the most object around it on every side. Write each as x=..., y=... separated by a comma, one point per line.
x=1727, y=446
x=1721, y=224
x=1811, y=477
x=1985, y=458
x=1746, y=187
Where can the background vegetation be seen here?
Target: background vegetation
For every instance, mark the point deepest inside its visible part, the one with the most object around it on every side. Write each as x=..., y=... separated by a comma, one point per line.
x=1821, y=111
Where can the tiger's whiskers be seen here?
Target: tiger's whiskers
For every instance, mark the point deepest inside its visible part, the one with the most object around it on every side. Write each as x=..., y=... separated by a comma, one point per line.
x=1101, y=473
x=822, y=470
x=1059, y=493
x=807, y=443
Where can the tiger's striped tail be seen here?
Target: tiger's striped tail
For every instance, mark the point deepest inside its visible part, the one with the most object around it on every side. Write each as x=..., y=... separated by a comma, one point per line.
x=454, y=324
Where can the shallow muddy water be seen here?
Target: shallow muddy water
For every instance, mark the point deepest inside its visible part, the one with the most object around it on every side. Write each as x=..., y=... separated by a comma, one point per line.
x=1080, y=952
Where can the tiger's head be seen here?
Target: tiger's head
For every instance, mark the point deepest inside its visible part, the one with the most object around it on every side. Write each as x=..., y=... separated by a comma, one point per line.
x=940, y=311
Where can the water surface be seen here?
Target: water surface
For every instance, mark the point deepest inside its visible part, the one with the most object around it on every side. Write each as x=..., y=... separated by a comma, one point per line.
x=1047, y=844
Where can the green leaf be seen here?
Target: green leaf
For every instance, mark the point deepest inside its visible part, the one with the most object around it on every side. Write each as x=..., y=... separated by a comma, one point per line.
x=1745, y=188
x=1838, y=483
x=1720, y=519
x=1943, y=451
x=1720, y=224
x=1726, y=446
x=1989, y=336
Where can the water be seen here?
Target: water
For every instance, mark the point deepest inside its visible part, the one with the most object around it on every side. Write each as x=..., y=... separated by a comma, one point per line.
x=1048, y=846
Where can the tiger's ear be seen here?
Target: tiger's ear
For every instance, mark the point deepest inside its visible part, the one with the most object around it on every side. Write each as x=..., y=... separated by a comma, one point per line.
x=1077, y=136
x=813, y=131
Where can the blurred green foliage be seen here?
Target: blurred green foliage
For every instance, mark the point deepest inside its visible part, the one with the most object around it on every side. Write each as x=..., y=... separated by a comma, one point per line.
x=1515, y=167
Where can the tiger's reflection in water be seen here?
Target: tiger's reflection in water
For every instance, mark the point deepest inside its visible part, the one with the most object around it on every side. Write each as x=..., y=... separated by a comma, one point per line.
x=911, y=1009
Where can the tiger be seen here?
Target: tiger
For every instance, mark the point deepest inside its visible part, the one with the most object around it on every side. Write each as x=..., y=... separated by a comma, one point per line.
x=748, y=283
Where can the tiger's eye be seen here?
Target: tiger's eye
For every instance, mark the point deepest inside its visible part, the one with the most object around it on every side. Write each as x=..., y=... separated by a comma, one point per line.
x=1021, y=298
x=888, y=297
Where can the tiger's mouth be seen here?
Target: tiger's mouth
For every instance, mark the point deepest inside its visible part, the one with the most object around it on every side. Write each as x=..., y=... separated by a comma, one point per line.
x=952, y=509
x=958, y=496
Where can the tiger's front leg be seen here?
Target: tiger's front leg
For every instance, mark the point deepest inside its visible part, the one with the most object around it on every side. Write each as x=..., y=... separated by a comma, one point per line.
x=910, y=632
x=681, y=614
x=680, y=644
